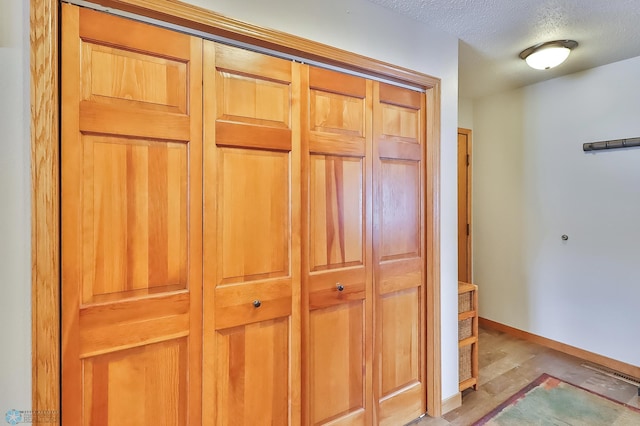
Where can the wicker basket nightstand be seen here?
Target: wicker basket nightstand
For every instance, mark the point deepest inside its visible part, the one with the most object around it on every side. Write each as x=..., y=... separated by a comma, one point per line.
x=468, y=335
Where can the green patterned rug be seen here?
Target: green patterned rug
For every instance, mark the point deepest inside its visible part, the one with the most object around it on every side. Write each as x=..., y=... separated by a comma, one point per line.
x=551, y=401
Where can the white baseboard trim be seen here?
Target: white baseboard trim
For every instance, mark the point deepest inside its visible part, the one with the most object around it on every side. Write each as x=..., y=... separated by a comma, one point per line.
x=451, y=403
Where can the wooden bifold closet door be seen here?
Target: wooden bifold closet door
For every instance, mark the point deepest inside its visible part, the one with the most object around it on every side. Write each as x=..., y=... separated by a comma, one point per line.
x=399, y=254
x=131, y=222
x=337, y=257
x=242, y=235
x=252, y=243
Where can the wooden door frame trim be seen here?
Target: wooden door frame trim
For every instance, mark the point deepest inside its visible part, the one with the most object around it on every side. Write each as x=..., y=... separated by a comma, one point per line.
x=45, y=207
x=44, y=25
x=468, y=133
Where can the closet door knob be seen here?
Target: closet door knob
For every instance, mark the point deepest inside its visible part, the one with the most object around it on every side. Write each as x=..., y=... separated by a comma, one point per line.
x=256, y=303
x=339, y=286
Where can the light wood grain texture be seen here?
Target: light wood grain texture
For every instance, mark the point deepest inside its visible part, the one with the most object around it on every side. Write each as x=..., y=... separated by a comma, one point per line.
x=155, y=83
x=337, y=358
x=337, y=250
x=135, y=204
x=399, y=256
x=253, y=205
x=622, y=367
x=431, y=104
x=139, y=386
x=45, y=207
x=211, y=22
x=339, y=119
x=400, y=344
x=464, y=205
x=47, y=100
x=253, y=374
x=131, y=227
x=510, y=363
x=71, y=236
x=252, y=243
x=336, y=196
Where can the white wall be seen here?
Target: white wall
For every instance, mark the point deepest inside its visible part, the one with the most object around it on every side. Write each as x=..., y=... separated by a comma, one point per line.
x=465, y=113
x=15, y=239
x=362, y=27
x=533, y=183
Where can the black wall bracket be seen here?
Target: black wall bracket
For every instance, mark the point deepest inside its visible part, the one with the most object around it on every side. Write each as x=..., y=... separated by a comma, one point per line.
x=614, y=144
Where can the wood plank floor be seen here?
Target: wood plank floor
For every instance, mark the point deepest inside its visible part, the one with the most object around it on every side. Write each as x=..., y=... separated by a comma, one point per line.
x=508, y=364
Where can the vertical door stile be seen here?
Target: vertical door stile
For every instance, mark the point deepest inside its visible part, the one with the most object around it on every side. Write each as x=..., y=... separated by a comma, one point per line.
x=304, y=244
x=297, y=183
x=210, y=208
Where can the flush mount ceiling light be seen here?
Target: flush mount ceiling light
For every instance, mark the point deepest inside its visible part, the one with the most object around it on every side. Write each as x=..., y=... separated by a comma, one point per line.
x=549, y=54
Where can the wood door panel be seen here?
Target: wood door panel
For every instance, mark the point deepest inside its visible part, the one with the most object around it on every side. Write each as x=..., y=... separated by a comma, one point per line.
x=243, y=135
x=396, y=275
x=400, y=211
x=400, y=114
x=400, y=340
x=338, y=250
x=126, y=34
x=399, y=254
x=337, y=203
x=140, y=386
x=136, y=80
x=337, y=357
x=464, y=206
x=323, y=291
x=97, y=117
x=251, y=190
x=402, y=407
x=335, y=113
x=401, y=122
x=396, y=95
x=238, y=61
x=323, y=143
x=253, y=100
x=234, y=304
x=253, y=374
x=254, y=208
x=252, y=88
x=131, y=166
x=134, y=216
x=337, y=82
x=116, y=326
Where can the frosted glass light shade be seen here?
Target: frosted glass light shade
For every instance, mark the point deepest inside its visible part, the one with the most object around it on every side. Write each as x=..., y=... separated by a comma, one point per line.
x=547, y=55
x=548, y=58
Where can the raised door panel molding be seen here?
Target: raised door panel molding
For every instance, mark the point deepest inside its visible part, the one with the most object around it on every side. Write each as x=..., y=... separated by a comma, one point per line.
x=135, y=215
x=336, y=361
x=253, y=374
x=141, y=386
x=253, y=207
x=337, y=204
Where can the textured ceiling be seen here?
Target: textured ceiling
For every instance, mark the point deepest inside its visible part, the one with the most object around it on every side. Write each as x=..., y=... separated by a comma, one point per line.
x=493, y=32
